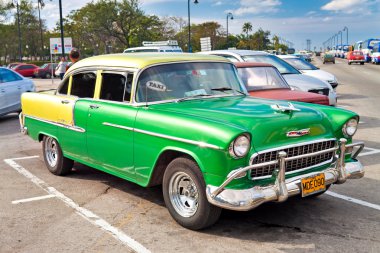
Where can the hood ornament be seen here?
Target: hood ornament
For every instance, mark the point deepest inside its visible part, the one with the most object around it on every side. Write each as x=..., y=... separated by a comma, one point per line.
x=298, y=133
x=281, y=108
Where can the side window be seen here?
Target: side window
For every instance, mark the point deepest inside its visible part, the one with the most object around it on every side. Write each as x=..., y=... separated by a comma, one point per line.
x=83, y=85
x=116, y=87
x=64, y=86
x=8, y=76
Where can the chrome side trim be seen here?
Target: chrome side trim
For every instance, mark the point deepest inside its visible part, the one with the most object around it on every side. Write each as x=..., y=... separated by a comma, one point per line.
x=118, y=126
x=164, y=136
x=73, y=128
x=197, y=143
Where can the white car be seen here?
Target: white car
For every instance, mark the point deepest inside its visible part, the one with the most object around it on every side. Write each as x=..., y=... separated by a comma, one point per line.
x=293, y=77
x=12, y=85
x=309, y=69
x=169, y=46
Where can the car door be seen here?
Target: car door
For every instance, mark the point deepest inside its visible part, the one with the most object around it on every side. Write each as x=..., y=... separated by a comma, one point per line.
x=11, y=91
x=110, y=124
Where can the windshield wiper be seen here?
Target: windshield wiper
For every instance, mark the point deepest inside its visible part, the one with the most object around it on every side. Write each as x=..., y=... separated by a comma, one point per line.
x=223, y=89
x=190, y=97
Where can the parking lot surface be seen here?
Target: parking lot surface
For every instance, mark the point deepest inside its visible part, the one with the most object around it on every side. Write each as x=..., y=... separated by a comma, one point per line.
x=90, y=211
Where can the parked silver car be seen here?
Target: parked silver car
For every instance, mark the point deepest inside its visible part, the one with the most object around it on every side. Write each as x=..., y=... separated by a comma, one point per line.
x=293, y=77
x=12, y=85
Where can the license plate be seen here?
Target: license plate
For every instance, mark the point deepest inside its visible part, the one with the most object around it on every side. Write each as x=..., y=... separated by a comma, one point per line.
x=313, y=184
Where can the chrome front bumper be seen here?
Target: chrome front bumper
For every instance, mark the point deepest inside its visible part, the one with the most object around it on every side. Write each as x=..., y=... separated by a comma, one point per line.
x=244, y=200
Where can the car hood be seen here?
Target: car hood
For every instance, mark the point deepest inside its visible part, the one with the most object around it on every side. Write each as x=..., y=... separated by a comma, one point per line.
x=219, y=120
x=320, y=74
x=293, y=95
x=305, y=82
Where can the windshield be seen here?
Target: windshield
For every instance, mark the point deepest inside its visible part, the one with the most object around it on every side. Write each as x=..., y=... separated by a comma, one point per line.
x=262, y=78
x=281, y=65
x=186, y=80
x=300, y=64
x=44, y=66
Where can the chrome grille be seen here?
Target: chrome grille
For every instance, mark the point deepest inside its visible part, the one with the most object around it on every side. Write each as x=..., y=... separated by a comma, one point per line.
x=293, y=165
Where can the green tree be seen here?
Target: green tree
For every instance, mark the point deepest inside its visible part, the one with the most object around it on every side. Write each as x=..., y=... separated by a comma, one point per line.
x=247, y=27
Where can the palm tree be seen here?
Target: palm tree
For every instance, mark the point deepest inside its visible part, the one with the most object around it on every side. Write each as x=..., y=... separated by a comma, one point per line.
x=247, y=27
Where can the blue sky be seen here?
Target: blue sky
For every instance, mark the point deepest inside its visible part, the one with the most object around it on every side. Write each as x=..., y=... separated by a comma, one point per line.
x=294, y=20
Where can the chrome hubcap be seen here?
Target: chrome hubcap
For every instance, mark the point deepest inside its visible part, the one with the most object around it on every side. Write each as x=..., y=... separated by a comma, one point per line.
x=51, y=151
x=183, y=194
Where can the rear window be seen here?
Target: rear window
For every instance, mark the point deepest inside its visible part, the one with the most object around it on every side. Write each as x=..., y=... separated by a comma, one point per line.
x=357, y=53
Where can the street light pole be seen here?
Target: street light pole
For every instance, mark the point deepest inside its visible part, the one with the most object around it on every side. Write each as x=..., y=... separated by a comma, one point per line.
x=61, y=24
x=229, y=16
x=341, y=37
x=40, y=5
x=188, y=18
x=19, y=32
x=346, y=29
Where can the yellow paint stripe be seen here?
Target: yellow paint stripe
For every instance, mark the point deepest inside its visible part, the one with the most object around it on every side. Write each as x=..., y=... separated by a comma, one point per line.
x=70, y=84
x=98, y=84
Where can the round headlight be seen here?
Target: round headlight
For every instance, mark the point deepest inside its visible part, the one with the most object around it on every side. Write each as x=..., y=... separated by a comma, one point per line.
x=349, y=129
x=240, y=146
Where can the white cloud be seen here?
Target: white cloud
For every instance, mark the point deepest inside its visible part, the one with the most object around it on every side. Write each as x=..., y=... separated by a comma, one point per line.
x=217, y=3
x=349, y=6
x=257, y=6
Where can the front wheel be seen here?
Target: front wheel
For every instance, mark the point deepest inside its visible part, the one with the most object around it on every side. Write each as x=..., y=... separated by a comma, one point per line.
x=54, y=159
x=184, y=193
x=47, y=75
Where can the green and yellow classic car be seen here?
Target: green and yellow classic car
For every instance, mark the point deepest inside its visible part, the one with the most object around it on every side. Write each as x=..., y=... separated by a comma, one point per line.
x=186, y=122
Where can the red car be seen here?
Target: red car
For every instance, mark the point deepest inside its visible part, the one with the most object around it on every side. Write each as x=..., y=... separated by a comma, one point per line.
x=46, y=70
x=265, y=81
x=25, y=69
x=356, y=57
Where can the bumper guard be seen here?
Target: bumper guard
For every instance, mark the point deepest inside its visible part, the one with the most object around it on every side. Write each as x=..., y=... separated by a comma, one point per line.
x=247, y=199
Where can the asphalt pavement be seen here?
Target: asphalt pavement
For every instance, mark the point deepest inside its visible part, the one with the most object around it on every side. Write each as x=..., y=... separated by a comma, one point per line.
x=90, y=211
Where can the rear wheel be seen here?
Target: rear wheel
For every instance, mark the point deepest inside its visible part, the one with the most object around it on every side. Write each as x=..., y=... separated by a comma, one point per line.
x=54, y=159
x=362, y=63
x=185, y=195
x=349, y=63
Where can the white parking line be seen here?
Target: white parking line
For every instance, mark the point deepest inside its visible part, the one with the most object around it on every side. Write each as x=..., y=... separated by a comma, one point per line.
x=353, y=200
x=371, y=152
x=32, y=199
x=85, y=213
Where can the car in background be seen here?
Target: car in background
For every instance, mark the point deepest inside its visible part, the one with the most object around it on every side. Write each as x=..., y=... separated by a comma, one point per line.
x=46, y=70
x=170, y=46
x=265, y=81
x=367, y=47
x=355, y=57
x=375, y=55
x=293, y=77
x=309, y=69
x=328, y=57
x=13, y=64
x=12, y=85
x=25, y=69
x=305, y=57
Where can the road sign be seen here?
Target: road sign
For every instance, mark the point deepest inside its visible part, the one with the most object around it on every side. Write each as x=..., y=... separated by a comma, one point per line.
x=56, y=45
x=205, y=44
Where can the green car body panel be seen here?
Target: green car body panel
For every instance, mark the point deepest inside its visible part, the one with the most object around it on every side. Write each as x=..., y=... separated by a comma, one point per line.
x=202, y=128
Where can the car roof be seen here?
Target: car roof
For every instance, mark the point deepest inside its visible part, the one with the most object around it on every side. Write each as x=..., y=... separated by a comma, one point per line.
x=251, y=64
x=239, y=52
x=142, y=60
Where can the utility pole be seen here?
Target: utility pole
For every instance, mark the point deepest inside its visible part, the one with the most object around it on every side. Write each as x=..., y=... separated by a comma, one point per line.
x=61, y=23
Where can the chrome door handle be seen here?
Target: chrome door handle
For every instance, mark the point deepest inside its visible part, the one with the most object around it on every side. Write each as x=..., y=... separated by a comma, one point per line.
x=94, y=106
x=65, y=101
